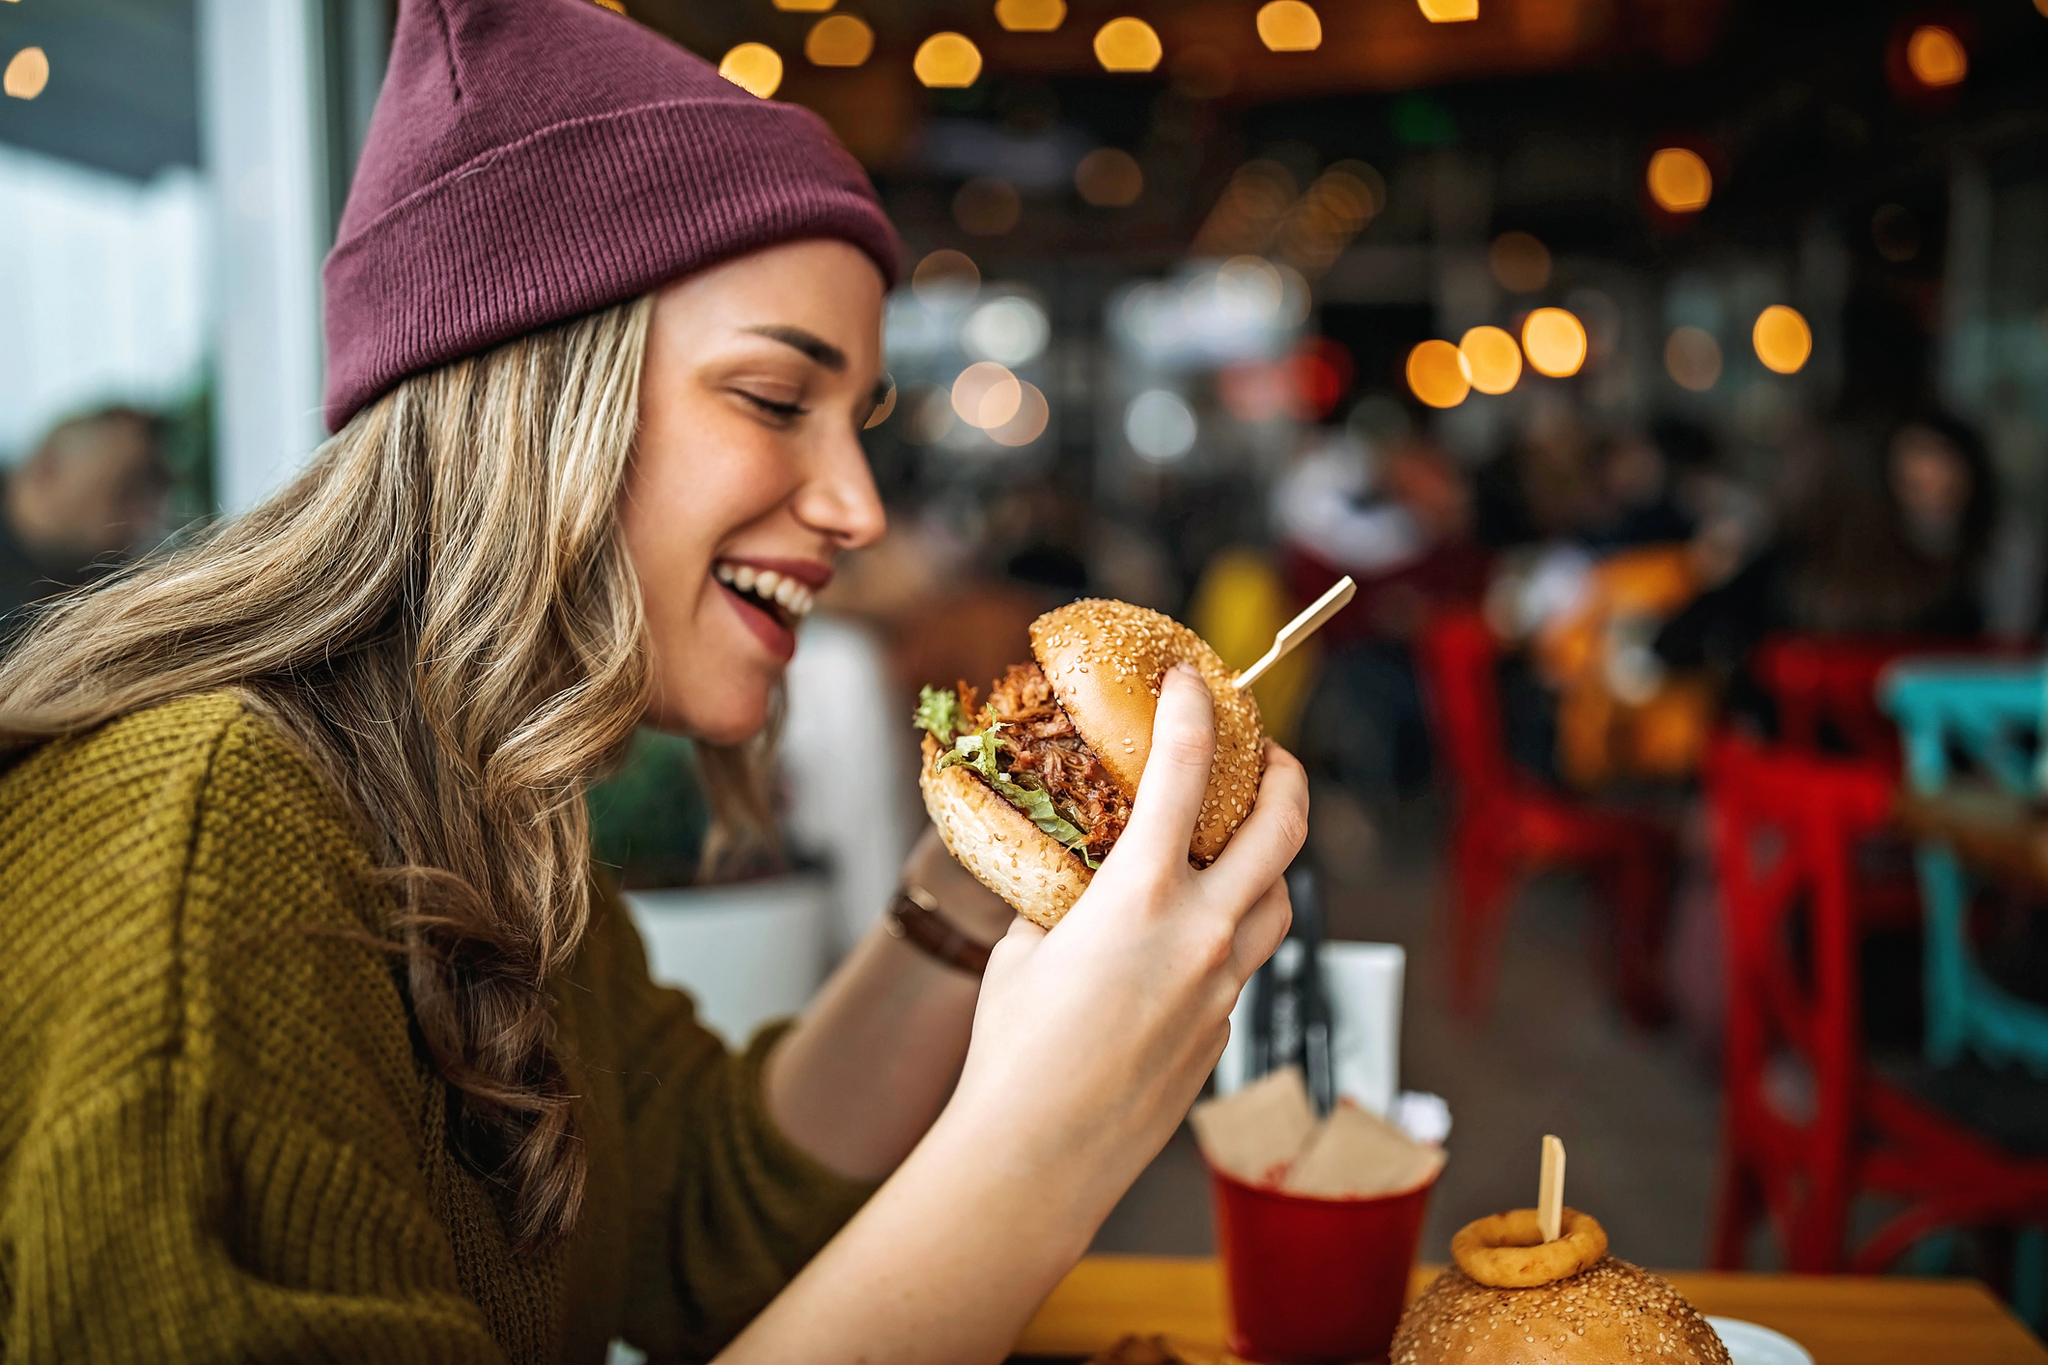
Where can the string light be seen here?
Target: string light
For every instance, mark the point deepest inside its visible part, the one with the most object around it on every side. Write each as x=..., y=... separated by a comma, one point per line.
x=1439, y=374
x=1679, y=180
x=1555, y=342
x=1782, y=338
x=1448, y=11
x=987, y=395
x=1029, y=421
x=1031, y=16
x=1936, y=57
x=754, y=67
x=1693, y=359
x=1520, y=262
x=947, y=61
x=839, y=40
x=945, y=276
x=1109, y=178
x=1289, y=26
x=1127, y=44
x=1493, y=362
x=28, y=73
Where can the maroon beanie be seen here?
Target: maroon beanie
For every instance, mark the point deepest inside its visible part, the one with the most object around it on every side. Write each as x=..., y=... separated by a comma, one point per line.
x=533, y=160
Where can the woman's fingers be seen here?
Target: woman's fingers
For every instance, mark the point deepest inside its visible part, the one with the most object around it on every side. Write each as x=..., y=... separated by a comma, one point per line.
x=1260, y=932
x=1177, y=772
x=1258, y=854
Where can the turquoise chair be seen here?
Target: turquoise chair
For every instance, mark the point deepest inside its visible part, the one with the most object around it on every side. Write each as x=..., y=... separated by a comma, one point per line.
x=1991, y=713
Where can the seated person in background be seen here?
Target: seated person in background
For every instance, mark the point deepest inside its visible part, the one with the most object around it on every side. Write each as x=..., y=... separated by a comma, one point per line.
x=1892, y=538
x=92, y=489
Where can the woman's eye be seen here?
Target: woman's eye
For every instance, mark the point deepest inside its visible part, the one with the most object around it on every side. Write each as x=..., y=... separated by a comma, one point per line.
x=782, y=411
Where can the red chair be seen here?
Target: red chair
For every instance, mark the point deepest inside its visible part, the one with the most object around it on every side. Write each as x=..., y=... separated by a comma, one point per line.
x=1825, y=688
x=1806, y=1127
x=1507, y=826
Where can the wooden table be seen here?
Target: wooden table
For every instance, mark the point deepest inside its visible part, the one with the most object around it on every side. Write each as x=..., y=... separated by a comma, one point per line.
x=1842, y=1319
x=1991, y=832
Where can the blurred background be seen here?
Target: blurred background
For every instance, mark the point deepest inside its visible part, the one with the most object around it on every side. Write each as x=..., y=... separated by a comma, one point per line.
x=1672, y=375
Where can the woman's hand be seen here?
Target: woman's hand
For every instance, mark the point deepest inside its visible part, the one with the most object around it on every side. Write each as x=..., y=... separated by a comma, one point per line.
x=1092, y=1040
x=1089, y=1043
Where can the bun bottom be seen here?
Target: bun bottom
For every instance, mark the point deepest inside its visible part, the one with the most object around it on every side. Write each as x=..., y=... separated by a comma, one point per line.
x=995, y=841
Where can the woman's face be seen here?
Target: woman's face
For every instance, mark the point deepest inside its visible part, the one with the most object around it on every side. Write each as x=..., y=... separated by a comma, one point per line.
x=1931, y=481
x=748, y=476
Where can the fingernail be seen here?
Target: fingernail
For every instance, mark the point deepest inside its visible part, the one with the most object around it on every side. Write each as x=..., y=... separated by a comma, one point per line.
x=1188, y=669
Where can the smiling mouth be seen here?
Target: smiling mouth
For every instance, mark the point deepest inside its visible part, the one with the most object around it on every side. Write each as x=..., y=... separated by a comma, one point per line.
x=782, y=597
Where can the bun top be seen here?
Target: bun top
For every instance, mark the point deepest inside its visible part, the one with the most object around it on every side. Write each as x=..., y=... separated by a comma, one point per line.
x=1105, y=660
x=1611, y=1314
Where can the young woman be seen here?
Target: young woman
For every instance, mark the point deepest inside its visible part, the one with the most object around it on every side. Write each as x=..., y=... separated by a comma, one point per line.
x=323, y=1041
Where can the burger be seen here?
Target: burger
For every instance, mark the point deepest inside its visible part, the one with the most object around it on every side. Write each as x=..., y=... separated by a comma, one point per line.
x=1031, y=787
x=1514, y=1298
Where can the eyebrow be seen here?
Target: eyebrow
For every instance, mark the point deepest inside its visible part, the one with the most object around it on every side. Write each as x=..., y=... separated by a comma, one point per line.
x=812, y=345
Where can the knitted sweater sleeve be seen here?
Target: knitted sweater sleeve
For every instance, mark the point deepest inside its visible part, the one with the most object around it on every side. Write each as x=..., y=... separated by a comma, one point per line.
x=725, y=1209
x=210, y=1133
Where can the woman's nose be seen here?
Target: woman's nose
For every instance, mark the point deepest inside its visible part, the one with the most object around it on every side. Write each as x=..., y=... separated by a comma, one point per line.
x=840, y=499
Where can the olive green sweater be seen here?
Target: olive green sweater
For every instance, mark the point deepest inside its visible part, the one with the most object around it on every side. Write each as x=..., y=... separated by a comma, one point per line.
x=220, y=1139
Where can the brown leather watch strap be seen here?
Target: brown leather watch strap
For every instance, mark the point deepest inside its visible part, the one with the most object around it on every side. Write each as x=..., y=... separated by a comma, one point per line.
x=915, y=918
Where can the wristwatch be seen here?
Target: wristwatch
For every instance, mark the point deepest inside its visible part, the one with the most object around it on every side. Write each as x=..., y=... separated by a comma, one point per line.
x=914, y=917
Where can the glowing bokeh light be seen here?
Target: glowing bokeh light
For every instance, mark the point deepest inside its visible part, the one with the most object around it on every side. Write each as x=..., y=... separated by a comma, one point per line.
x=754, y=67
x=804, y=6
x=1783, y=340
x=1519, y=261
x=1693, y=359
x=883, y=408
x=839, y=40
x=1159, y=425
x=1936, y=57
x=947, y=61
x=1289, y=26
x=1028, y=423
x=1492, y=359
x=1109, y=178
x=986, y=394
x=945, y=277
x=1555, y=342
x=28, y=73
x=1127, y=44
x=1031, y=16
x=1448, y=11
x=987, y=207
x=1437, y=374
x=1679, y=180
x=1008, y=330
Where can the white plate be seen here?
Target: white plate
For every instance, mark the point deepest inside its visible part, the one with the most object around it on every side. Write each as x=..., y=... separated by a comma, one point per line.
x=1749, y=1344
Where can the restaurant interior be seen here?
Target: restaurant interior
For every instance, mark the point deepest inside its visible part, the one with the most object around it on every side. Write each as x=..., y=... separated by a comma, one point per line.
x=1671, y=377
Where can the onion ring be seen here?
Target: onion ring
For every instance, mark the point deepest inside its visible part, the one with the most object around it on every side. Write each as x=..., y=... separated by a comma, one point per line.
x=1507, y=1251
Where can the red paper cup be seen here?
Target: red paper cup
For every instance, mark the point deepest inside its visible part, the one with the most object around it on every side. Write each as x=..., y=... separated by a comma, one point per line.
x=1315, y=1279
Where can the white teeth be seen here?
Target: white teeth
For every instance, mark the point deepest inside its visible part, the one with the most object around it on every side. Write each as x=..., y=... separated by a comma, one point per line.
x=786, y=590
x=722, y=572
x=743, y=578
x=803, y=603
x=766, y=581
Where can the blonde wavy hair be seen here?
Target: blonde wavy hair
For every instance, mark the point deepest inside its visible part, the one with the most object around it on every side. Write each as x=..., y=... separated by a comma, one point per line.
x=440, y=613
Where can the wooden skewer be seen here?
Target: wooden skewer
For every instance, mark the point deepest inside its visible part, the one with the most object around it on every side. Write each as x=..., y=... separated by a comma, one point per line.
x=1550, y=1189
x=1299, y=629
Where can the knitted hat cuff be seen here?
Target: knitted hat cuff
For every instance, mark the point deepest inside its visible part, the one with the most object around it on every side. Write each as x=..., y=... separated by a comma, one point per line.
x=576, y=216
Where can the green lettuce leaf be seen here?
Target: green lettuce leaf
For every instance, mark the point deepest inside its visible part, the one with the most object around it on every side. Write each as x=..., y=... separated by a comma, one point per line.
x=979, y=753
x=938, y=710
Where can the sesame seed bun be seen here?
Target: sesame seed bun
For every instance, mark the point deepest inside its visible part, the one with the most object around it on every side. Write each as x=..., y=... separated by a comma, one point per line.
x=995, y=841
x=1104, y=660
x=1611, y=1313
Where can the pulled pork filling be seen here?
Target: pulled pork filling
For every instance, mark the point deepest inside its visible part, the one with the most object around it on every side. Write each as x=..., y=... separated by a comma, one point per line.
x=1042, y=741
